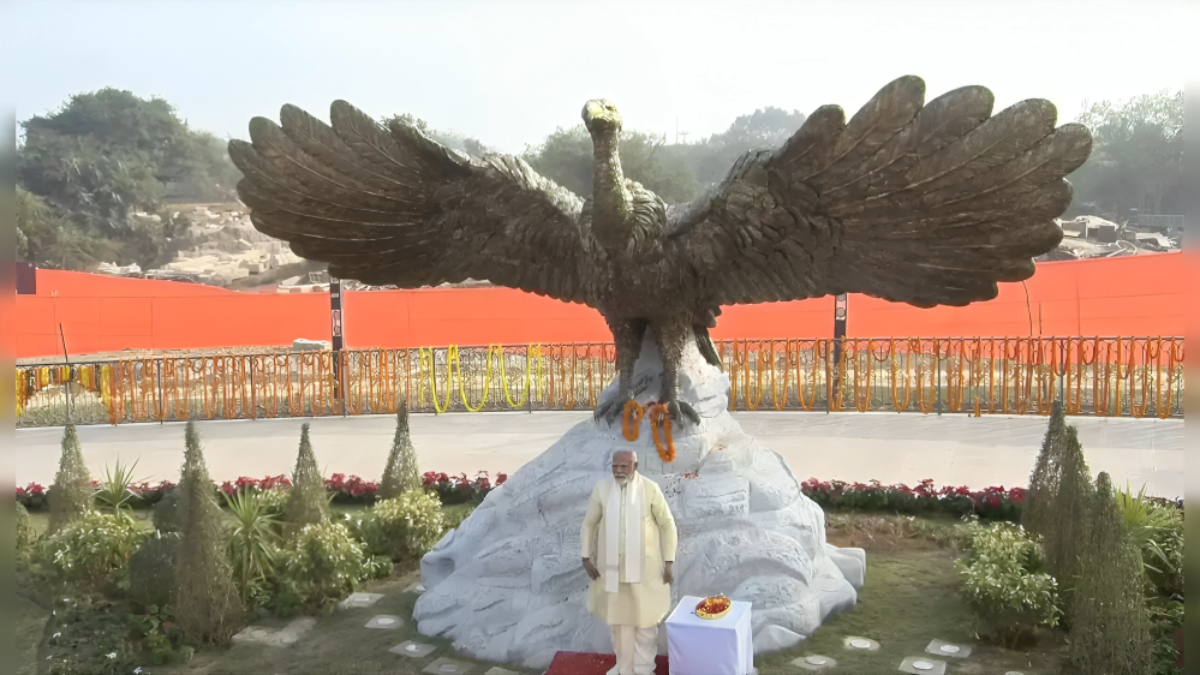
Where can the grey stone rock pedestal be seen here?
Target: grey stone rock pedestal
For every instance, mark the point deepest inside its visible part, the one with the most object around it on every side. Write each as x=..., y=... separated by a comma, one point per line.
x=507, y=585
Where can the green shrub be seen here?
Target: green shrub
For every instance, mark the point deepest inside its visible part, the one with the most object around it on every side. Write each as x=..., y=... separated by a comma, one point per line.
x=252, y=542
x=378, y=567
x=274, y=502
x=166, y=512
x=322, y=563
x=1057, y=499
x=25, y=535
x=89, y=549
x=1167, y=620
x=1110, y=621
x=454, y=515
x=1004, y=581
x=207, y=606
x=71, y=495
x=1156, y=531
x=400, y=474
x=308, y=501
x=152, y=570
x=404, y=528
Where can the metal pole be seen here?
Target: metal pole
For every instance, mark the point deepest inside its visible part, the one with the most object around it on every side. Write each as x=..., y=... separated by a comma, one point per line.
x=335, y=312
x=937, y=352
x=67, y=361
x=162, y=406
x=840, y=309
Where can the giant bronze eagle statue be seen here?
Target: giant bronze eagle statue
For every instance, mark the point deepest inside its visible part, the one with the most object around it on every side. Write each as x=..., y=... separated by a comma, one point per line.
x=923, y=204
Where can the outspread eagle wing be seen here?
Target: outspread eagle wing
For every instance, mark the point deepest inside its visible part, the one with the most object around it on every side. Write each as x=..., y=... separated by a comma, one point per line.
x=927, y=205
x=391, y=206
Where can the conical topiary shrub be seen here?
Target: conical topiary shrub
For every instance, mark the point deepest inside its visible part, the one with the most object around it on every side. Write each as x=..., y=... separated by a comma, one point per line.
x=1043, y=482
x=308, y=502
x=207, y=607
x=71, y=495
x=401, y=473
x=1110, y=627
x=1058, y=499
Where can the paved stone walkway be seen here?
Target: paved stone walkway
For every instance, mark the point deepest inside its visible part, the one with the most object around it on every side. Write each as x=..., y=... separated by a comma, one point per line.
x=951, y=449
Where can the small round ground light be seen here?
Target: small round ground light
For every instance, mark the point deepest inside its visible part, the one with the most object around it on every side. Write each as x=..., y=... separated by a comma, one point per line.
x=860, y=643
x=815, y=662
x=922, y=665
x=951, y=649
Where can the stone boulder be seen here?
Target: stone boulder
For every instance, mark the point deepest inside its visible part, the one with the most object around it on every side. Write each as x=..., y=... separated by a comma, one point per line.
x=507, y=584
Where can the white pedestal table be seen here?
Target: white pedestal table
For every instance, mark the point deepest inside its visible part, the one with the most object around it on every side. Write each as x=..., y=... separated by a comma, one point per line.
x=698, y=646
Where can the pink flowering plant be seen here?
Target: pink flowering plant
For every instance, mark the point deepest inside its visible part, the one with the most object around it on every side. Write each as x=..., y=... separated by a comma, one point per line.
x=992, y=503
x=460, y=489
x=345, y=488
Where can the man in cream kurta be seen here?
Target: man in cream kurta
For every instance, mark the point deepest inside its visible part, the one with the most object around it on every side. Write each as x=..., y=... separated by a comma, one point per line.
x=632, y=533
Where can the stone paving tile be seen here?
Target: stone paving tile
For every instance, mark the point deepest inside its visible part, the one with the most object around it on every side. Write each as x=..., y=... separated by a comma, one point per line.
x=276, y=637
x=951, y=649
x=413, y=649
x=935, y=667
x=359, y=600
x=445, y=666
x=815, y=662
x=385, y=622
x=857, y=642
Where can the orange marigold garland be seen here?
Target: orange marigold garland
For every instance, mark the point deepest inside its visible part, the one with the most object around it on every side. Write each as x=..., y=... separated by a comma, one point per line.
x=660, y=415
x=631, y=421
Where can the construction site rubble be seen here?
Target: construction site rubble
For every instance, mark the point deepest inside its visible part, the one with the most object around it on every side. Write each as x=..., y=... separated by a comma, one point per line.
x=1094, y=237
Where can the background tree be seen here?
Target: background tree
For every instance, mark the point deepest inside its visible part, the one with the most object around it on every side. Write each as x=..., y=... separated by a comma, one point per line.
x=566, y=158
x=48, y=237
x=308, y=501
x=71, y=495
x=103, y=159
x=764, y=129
x=401, y=473
x=1137, y=157
x=207, y=608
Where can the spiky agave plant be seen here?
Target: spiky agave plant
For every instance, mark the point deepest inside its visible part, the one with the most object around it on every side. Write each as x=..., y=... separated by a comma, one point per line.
x=114, y=493
x=253, y=539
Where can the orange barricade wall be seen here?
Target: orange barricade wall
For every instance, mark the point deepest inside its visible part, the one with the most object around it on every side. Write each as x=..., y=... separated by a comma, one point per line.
x=1138, y=295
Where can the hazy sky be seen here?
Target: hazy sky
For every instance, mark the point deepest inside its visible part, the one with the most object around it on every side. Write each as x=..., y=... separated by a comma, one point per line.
x=508, y=73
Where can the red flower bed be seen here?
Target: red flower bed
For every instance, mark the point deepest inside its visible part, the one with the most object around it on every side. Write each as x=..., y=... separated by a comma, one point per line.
x=460, y=489
x=346, y=489
x=995, y=502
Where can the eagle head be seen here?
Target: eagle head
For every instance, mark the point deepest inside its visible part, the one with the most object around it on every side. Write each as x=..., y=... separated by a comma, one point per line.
x=601, y=116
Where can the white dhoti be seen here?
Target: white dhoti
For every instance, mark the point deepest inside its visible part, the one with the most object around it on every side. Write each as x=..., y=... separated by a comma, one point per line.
x=630, y=532
x=635, y=649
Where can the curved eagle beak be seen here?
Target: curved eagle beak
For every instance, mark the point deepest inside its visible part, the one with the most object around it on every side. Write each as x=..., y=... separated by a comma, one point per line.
x=601, y=115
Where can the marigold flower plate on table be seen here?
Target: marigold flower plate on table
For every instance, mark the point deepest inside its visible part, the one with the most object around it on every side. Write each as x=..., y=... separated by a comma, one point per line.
x=713, y=607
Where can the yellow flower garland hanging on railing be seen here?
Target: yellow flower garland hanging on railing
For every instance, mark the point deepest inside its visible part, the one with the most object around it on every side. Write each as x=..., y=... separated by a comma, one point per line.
x=504, y=378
